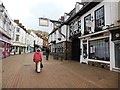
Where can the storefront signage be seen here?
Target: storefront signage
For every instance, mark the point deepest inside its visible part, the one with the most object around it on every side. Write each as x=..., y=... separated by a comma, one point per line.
x=5, y=39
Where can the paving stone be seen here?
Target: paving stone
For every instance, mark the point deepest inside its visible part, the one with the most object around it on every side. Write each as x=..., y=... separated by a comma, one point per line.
x=19, y=72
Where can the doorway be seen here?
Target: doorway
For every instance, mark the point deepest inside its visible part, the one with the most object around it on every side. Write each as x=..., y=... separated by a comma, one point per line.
x=117, y=55
x=76, y=49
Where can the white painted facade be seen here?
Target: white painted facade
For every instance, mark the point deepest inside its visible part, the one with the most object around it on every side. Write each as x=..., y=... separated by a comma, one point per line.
x=14, y=37
x=19, y=40
x=33, y=37
x=5, y=32
x=5, y=23
x=31, y=40
x=111, y=17
x=40, y=42
x=27, y=42
x=56, y=34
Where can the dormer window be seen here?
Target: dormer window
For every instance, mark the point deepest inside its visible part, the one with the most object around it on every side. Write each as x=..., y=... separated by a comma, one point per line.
x=78, y=6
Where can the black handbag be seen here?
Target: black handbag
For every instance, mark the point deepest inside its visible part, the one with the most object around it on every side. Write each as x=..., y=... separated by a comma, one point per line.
x=41, y=65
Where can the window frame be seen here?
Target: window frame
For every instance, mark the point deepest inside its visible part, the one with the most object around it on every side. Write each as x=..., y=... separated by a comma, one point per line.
x=18, y=38
x=85, y=24
x=100, y=45
x=17, y=30
x=100, y=16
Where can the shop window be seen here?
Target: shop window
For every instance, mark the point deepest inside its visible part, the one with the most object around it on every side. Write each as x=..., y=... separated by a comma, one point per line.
x=84, y=51
x=1, y=49
x=99, y=49
x=16, y=49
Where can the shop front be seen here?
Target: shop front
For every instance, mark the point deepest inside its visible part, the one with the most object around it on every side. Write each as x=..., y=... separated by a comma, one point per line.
x=4, y=46
x=1, y=49
x=115, y=39
x=95, y=50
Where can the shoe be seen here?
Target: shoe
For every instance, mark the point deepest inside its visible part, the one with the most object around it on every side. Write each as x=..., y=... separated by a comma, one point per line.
x=38, y=72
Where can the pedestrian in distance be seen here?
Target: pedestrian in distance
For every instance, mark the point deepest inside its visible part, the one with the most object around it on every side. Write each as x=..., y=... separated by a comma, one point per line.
x=37, y=58
x=47, y=53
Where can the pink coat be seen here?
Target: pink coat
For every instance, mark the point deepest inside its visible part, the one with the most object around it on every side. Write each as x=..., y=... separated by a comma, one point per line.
x=37, y=57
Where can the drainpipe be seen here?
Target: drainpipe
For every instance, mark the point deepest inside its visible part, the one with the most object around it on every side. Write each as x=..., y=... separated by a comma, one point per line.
x=34, y=45
x=66, y=40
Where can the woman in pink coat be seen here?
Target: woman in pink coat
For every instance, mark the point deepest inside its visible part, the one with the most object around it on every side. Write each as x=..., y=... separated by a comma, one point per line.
x=37, y=58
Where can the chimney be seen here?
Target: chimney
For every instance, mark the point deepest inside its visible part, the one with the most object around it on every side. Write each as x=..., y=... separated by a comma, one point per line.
x=20, y=24
x=23, y=27
x=16, y=21
x=62, y=18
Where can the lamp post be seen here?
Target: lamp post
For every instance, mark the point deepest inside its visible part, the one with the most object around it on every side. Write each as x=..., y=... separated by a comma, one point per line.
x=34, y=45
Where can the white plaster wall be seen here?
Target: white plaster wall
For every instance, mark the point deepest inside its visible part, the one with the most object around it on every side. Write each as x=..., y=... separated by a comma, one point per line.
x=81, y=56
x=112, y=54
x=110, y=11
x=111, y=16
x=22, y=36
x=1, y=22
x=31, y=40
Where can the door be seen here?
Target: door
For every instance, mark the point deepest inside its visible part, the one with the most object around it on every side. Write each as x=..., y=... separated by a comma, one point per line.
x=84, y=51
x=117, y=55
x=76, y=49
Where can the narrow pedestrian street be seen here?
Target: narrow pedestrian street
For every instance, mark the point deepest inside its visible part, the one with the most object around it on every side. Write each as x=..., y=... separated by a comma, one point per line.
x=19, y=72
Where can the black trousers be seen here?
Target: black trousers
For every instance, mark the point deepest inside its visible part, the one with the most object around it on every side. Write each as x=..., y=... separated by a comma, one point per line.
x=47, y=55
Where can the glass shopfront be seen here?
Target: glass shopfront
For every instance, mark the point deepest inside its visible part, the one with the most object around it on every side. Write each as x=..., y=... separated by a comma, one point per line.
x=99, y=49
x=1, y=49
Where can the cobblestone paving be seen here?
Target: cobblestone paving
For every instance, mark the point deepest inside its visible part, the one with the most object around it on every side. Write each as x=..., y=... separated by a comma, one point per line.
x=19, y=72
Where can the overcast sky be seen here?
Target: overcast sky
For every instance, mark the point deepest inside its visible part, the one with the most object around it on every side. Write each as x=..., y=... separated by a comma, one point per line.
x=28, y=11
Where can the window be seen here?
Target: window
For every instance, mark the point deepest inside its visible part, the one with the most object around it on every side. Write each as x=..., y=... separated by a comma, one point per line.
x=75, y=26
x=99, y=18
x=17, y=37
x=79, y=24
x=18, y=29
x=71, y=29
x=59, y=47
x=59, y=34
x=99, y=49
x=54, y=35
x=87, y=28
